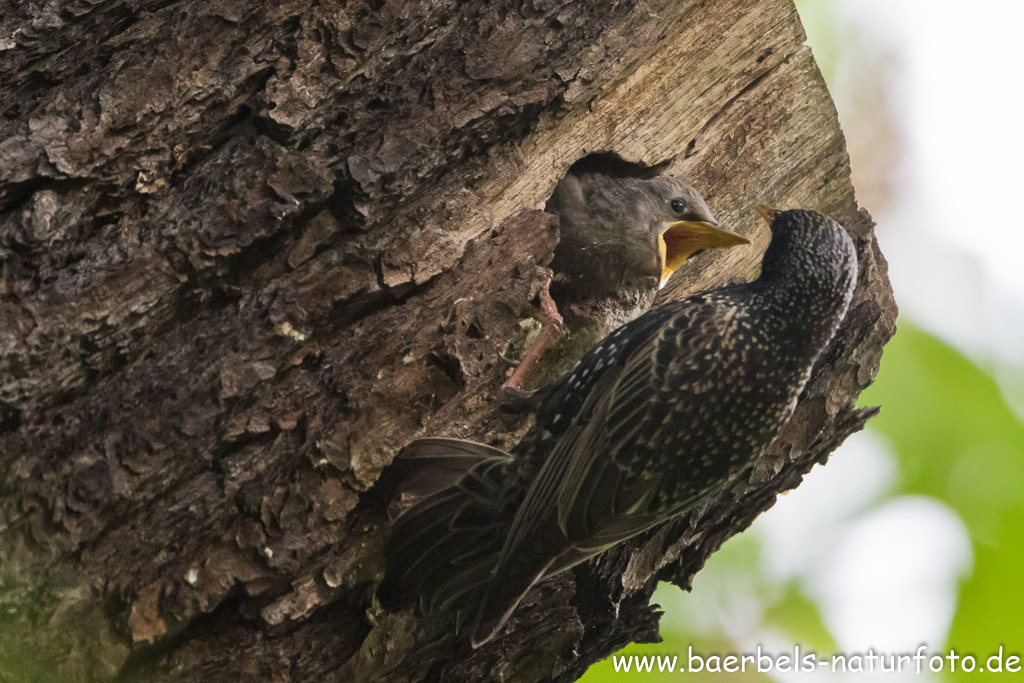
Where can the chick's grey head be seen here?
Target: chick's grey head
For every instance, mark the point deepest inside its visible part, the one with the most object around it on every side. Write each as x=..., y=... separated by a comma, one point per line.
x=622, y=234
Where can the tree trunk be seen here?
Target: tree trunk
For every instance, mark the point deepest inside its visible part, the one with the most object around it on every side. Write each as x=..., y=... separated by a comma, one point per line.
x=250, y=249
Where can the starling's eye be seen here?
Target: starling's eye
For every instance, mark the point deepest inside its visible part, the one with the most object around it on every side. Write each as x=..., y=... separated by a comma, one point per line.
x=678, y=205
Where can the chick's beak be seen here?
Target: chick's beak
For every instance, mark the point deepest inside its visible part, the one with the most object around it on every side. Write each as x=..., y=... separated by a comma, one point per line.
x=682, y=239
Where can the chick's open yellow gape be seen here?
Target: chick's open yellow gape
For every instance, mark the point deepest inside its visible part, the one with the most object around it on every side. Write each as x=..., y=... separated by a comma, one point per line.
x=682, y=239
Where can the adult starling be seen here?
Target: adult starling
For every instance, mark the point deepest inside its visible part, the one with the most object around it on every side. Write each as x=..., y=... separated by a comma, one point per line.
x=623, y=230
x=666, y=410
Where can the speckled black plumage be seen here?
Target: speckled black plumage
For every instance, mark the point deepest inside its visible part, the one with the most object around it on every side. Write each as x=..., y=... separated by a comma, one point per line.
x=665, y=410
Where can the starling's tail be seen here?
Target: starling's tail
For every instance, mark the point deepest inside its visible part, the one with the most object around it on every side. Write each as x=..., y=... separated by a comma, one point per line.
x=546, y=552
x=502, y=595
x=427, y=466
x=445, y=547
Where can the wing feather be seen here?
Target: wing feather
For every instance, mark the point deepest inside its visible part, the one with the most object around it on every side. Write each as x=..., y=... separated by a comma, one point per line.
x=606, y=501
x=657, y=384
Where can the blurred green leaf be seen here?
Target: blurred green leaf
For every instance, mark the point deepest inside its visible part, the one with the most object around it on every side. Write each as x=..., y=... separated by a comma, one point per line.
x=959, y=442
x=799, y=616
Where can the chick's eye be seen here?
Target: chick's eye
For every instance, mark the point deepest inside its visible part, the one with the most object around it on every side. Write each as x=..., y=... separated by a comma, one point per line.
x=678, y=205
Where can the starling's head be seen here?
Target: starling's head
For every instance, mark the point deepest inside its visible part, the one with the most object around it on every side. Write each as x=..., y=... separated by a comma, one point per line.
x=810, y=252
x=683, y=225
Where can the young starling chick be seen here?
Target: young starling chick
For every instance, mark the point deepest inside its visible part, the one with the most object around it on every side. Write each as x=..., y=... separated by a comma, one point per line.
x=623, y=231
x=666, y=410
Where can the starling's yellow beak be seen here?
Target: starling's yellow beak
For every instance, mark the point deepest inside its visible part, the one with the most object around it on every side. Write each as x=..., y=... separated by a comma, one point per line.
x=767, y=213
x=682, y=239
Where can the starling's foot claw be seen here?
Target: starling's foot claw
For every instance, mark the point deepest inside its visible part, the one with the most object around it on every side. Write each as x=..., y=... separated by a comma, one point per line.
x=514, y=400
x=511, y=361
x=515, y=382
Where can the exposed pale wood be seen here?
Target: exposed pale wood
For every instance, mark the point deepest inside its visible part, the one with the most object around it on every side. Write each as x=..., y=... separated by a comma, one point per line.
x=250, y=249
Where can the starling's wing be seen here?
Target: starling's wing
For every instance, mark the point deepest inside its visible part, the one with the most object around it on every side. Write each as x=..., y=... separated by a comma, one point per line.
x=596, y=372
x=609, y=494
x=660, y=387
x=569, y=426
x=582, y=437
x=534, y=540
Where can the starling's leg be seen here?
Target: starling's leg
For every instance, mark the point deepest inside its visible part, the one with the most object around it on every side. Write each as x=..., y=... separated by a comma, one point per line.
x=551, y=327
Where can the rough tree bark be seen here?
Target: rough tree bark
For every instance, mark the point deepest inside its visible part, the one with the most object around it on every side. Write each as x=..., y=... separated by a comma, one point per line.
x=249, y=249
